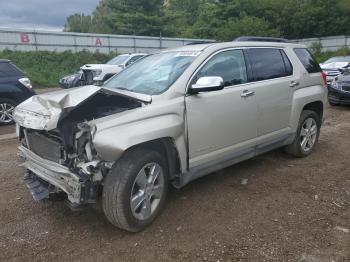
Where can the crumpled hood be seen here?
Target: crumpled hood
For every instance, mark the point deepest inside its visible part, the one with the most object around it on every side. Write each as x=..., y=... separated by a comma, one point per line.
x=334, y=65
x=42, y=112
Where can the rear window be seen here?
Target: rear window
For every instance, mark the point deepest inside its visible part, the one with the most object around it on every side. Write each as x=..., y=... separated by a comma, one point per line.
x=307, y=59
x=8, y=69
x=269, y=63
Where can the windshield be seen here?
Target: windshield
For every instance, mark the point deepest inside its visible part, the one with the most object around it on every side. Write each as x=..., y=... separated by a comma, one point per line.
x=118, y=60
x=338, y=59
x=154, y=74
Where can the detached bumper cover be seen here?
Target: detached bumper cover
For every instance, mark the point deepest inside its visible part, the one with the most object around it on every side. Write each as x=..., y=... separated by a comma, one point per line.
x=53, y=173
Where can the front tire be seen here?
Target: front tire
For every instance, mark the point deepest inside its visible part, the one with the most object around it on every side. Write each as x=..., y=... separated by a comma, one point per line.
x=307, y=135
x=135, y=190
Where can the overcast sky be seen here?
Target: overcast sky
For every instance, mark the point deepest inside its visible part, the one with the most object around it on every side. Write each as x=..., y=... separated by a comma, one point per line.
x=41, y=14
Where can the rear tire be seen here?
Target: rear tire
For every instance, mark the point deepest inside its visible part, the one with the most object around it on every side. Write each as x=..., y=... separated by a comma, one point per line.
x=135, y=189
x=6, y=109
x=332, y=103
x=307, y=135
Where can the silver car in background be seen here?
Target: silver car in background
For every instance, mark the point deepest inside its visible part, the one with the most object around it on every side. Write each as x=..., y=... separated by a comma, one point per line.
x=335, y=66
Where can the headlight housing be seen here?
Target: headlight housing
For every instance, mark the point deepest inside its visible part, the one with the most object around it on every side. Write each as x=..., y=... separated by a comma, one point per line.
x=335, y=84
x=26, y=82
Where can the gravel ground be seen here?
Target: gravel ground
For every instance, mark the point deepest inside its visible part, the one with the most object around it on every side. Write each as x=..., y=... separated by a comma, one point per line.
x=271, y=208
x=8, y=129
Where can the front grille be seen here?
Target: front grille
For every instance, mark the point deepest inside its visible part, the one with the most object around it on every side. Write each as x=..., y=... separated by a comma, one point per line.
x=45, y=146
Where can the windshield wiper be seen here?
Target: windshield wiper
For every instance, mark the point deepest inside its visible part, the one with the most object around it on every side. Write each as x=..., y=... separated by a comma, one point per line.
x=122, y=88
x=126, y=92
x=118, y=87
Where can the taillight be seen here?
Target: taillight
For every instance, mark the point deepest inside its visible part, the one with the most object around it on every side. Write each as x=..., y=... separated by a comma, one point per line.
x=26, y=82
x=324, y=76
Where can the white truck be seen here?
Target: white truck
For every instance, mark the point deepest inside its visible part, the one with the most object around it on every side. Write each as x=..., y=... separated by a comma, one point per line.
x=99, y=73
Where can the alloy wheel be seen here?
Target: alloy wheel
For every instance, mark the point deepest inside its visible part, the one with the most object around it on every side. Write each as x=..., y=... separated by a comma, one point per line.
x=6, y=111
x=147, y=191
x=308, y=134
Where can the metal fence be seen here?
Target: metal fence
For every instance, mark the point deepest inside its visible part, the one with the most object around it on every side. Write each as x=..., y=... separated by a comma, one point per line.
x=32, y=40
x=331, y=43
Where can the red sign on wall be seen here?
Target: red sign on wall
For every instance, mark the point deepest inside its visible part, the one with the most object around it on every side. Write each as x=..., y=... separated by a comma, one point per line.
x=25, y=38
x=98, y=41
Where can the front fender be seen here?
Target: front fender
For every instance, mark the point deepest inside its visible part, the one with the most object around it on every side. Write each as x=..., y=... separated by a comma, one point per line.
x=112, y=142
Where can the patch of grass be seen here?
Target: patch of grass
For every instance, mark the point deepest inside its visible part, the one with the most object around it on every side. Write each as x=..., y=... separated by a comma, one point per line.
x=45, y=68
x=323, y=56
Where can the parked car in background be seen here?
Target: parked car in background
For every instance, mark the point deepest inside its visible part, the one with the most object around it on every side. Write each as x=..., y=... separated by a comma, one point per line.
x=172, y=117
x=72, y=80
x=15, y=87
x=339, y=89
x=99, y=73
x=335, y=66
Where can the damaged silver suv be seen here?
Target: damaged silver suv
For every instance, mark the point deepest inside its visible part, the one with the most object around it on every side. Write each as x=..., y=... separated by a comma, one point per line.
x=171, y=118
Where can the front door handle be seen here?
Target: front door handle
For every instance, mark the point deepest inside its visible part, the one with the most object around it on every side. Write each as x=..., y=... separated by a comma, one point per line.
x=247, y=93
x=294, y=84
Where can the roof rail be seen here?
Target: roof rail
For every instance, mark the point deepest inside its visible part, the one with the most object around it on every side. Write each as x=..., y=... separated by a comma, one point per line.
x=200, y=42
x=261, y=39
x=4, y=61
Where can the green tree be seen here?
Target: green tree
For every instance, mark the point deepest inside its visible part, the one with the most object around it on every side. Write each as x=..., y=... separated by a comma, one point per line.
x=139, y=17
x=217, y=19
x=246, y=25
x=78, y=23
x=180, y=16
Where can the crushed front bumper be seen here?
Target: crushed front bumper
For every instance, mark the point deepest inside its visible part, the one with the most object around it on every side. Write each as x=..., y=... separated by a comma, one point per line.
x=55, y=174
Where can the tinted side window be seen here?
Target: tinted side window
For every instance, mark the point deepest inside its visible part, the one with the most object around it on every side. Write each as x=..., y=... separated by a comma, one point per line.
x=7, y=69
x=269, y=63
x=230, y=65
x=307, y=59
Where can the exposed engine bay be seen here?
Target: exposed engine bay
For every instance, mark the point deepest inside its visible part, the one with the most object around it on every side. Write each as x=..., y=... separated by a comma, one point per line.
x=70, y=145
x=76, y=129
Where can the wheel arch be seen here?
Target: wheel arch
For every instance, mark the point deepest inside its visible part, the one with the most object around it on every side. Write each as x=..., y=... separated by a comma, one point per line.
x=317, y=107
x=165, y=146
x=309, y=98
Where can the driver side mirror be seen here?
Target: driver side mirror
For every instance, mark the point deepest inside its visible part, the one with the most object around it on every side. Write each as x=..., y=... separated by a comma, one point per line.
x=207, y=84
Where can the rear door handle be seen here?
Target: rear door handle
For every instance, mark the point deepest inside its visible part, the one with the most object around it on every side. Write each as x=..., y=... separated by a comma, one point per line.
x=294, y=84
x=247, y=93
